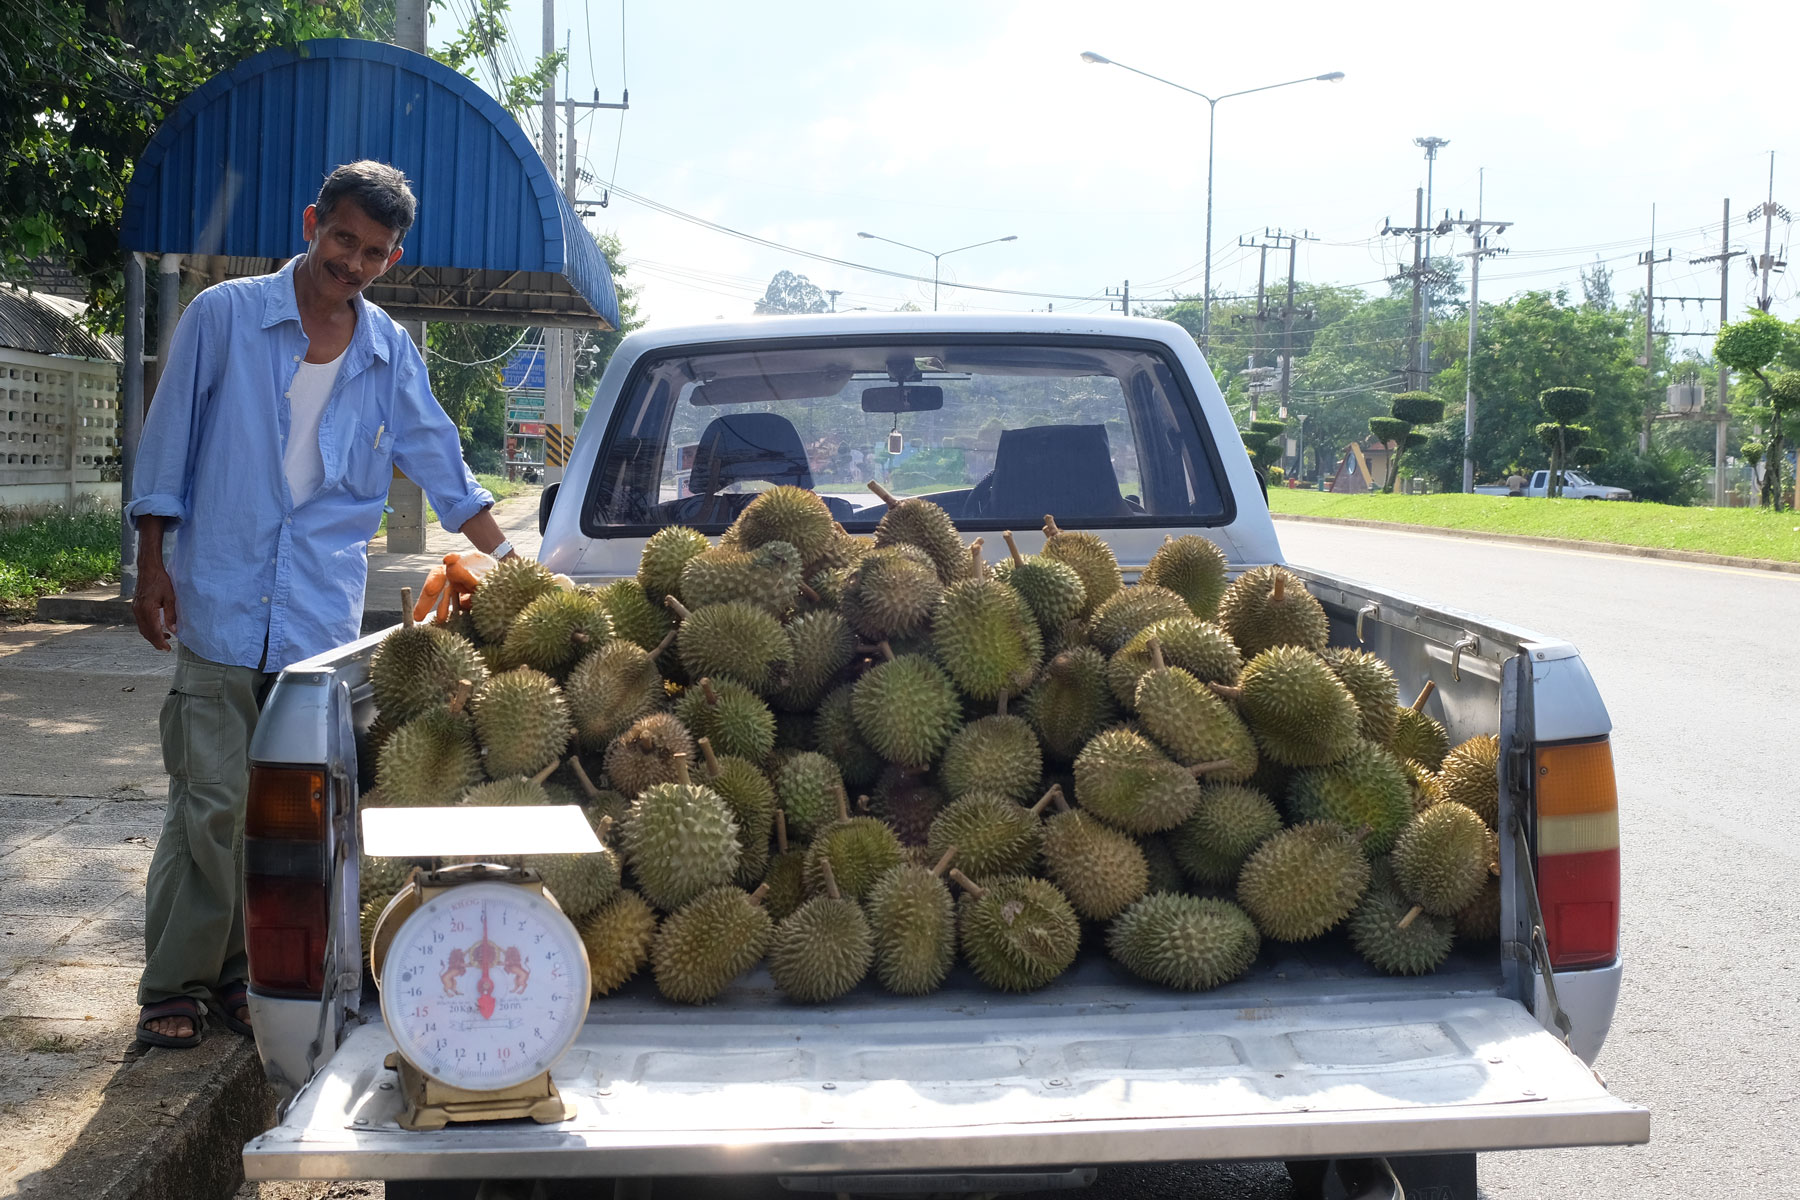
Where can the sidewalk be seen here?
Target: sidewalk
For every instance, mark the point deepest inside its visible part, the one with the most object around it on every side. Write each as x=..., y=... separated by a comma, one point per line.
x=84, y=1111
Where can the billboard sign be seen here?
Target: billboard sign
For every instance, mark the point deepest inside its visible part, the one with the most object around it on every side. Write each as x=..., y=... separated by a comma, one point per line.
x=524, y=369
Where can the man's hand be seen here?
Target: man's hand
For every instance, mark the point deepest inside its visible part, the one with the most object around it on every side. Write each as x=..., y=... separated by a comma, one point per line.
x=154, y=606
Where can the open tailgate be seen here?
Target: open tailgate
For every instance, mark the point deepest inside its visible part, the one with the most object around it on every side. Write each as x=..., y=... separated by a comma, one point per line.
x=983, y=1085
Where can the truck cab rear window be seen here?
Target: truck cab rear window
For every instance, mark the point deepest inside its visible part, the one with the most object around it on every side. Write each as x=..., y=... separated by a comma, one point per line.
x=997, y=432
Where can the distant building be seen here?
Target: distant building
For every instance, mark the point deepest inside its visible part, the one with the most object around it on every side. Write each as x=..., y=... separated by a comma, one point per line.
x=59, y=402
x=1362, y=468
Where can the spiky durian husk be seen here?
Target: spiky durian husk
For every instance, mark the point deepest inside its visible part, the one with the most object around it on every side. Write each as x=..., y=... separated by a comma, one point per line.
x=382, y=876
x=1370, y=683
x=635, y=616
x=504, y=593
x=618, y=937
x=1100, y=870
x=737, y=641
x=1303, y=881
x=1479, y=919
x=920, y=523
x=428, y=761
x=733, y=718
x=986, y=638
x=1365, y=788
x=1257, y=620
x=505, y=793
x=1020, y=934
x=1227, y=826
x=581, y=883
x=644, y=755
x=820, y=646
x=707, y=943
x=419, y=668
x=860, y=850
x=1193, y=568
x=912, y=920
x=1470, y=777
x=1070, y=702
x=1093, y=560
x=1419, y=738
x=1198, y=647
x=906, y=710
x=786, y=878
x=907, y=802
x=665, y=556
x=1375, y=931
x=788, y=514
x=836, y=736
x=1184, y=942
x=993, y=836
x=369, y=918
x=1123, y=779
x=1194, y=725
x=1051, y=589
x=521, y=722
x=556, y=631
x=1441, y=858
x=998, y=754
x=609, y=690
x=1129, y=611
x=891, y=592
x=750, y=796
x=1301, y=715
x=806, y=787
x=821, y=950
x=768, y=577
x=1165, y=872
x=681, y=840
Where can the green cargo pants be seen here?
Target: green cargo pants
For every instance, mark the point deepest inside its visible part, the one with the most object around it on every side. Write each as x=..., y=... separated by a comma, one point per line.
x=194, y=900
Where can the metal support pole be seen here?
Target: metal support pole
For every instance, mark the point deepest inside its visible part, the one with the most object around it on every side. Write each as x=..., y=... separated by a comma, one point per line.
x=1720, y=430
x=1414, y=377
x=168, y=308
x=1212, y=111
x=406, y=501
x=131, y=398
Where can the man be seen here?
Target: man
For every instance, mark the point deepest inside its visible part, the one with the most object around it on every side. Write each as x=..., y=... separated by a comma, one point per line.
x=285, y=404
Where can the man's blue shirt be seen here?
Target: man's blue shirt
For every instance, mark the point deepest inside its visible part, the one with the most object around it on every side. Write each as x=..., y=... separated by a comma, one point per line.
x=259, y=579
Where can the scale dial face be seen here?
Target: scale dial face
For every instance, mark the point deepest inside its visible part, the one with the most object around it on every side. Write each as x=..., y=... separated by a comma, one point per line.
x=485, y=986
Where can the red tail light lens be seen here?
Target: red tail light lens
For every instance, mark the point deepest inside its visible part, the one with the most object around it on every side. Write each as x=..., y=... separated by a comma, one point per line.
x=1578, y=853
x=286, y=892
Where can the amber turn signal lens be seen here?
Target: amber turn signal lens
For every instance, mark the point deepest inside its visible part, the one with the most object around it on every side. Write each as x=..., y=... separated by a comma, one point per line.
x=1575, y=780
x=286, y=802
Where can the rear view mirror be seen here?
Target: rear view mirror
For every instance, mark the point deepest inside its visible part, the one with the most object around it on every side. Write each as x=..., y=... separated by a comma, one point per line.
x=902, y=399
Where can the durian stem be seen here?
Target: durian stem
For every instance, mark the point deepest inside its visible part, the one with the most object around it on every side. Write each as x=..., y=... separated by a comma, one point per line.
x=1055, y=793
x=862, y=804
x=977, y=564
x=712, y=760
x=966, y=884
x=681, y=768
x=581, y=776
x=1013, y=548
x=1411, y=916
x=406, y=617
x=580, y=638
x=888, y=498
x=459, y=701
x=706, y=689
x=843, y=800
x=668, y=640
x=781, y=830
x=831, y=887
x=1424, y=695
x=1225, y=691
x=887, y=650
x=756, y=897
x=1207, y=768
x=1154, y=645
x=1050, y=528
x=605, y=827
x=1062, y=801
x=806, y=589
x=1278, y=592
x=1000, y=703
x=943, y=864
x=675, y=606
x=547, y=772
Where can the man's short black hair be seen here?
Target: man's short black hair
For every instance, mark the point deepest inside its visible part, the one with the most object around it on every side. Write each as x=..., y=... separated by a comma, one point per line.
x=378, y=189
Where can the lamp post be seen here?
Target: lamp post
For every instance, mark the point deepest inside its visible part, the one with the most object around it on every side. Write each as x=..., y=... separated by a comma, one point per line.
x=1212, y=109
x=937, y=255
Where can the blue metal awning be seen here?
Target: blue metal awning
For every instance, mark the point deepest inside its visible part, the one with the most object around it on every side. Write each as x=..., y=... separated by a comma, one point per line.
x=231, y=170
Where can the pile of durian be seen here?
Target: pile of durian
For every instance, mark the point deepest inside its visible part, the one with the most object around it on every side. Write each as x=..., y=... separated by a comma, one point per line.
x=851, y=757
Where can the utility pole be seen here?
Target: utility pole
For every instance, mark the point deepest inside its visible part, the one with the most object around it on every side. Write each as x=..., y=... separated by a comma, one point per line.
x=406, y=502
x=1274, y=239
x=1416, y=367
x=1722, y=421
x=1431, y=145
x=554, y=339
x=1477, y=229
x=1124, y=295
x=1768, y=264
x=1648, y=260
x=834, y=293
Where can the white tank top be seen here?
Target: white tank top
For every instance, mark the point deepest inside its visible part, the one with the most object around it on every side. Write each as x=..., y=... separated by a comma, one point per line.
x=302, y=460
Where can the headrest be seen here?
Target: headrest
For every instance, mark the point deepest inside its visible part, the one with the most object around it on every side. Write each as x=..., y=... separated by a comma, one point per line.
x=742, y=446
x=1062, y=469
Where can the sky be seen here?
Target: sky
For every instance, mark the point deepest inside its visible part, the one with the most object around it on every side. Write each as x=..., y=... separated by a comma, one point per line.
x=945, y=124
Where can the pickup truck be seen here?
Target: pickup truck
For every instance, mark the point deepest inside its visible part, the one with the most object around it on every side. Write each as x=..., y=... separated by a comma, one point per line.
x=1313, y=1059
x=1576, y=486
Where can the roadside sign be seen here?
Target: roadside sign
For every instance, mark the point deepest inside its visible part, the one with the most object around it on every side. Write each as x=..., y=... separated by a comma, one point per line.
x=531, y=429
x=525, y=414
x=524, y=369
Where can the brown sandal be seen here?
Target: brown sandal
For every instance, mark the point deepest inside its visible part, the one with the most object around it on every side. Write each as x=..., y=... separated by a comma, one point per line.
x=180, y=1006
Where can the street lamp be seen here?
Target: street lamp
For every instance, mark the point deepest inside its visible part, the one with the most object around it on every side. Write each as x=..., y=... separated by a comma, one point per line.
x=937, y=256
x=1212, y=107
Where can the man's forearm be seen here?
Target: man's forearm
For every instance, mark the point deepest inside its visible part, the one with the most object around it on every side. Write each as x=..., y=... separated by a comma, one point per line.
x=483, y=531
x=150, y=543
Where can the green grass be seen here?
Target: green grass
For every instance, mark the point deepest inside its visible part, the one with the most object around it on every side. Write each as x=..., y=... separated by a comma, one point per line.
x=43, y=552
x=1738, y=532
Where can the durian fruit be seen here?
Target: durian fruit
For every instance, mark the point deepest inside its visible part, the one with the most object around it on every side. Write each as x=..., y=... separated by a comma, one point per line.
x=794, y=731
x=1365, y=789
x=1186, y=942
x=912, y=920
x=512, y=792
x=836, y=736
x=906, y=710
x=370, y=917
x=750, y=796
x=820, y=645
x=807, y=788
x=1370, y=683
x=644, y=755
x=1165, y=872
x=918, y=522
x=1470, y=777
x=1231, y=821
x=734, y=640
x=1301, y=715
x=1123, y=779
x=1198, y=647
x=1198, y=729
x=555, y=631
x=609, y=690
x=666, y=555
x=521, y=721
x=417, y=667
x=636, y=618
x=1442, y=858
x=1417, y=736
x=1304, y=880
x=767, y=577
x=1017, y=933
x=708, y=942
x=786, y=876
x=992, y=835
x=998, y=754
x=1427, y=789
x=504, y=593
x=1479, y=919
x=891, y=592
x=986, y=638
x=1100, y=870
x=1070, y=702
x=907, y=801
x=793, y=515
x=581, y=883
x=1192, y=567
x=823, y=948
x=429, y=760
x=731, y=715
x=859, y=851
x=1051, y=589
x=618, y=936
x=1270, y=606
x=681, y=840
x=1090, y=557
x=381, y=876
x=1392, y=937
x=1129, y=611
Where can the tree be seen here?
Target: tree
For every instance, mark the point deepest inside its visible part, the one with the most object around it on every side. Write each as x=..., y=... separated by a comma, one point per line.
x=1750, y=346
x=791, y=293
x=1410, y=410
x=1597, y=286
x=1564, y=406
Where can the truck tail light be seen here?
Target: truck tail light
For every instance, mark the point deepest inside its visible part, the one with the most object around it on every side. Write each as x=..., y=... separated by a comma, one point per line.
x=286, y=880
x=1578, y=852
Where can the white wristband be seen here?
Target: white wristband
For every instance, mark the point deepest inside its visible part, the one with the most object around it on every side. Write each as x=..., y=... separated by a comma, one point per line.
x=501, y=551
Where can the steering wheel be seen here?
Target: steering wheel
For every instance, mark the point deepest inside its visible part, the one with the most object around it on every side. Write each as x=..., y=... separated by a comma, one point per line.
x=980, y=498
